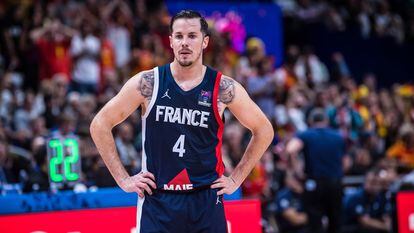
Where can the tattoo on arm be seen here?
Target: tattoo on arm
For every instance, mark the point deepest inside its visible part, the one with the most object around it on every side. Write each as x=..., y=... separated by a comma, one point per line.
x=146, y=84
x=226, y=92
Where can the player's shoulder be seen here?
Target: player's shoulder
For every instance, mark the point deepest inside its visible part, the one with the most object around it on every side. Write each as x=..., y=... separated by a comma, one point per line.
x=143, y=82
x=148, y=74
x=225, y=78
x=145, y=77
x=227, y=81
x=227, y=89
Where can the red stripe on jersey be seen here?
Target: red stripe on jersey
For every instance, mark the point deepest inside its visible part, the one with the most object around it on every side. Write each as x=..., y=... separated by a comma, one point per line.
x=220, y=165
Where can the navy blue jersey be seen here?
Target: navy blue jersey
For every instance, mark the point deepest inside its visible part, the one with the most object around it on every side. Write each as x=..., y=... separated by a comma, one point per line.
x=182, y=132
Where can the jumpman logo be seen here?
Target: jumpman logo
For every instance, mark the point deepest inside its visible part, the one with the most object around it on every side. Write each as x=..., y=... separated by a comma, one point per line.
x=166, y=94
x=218, y=200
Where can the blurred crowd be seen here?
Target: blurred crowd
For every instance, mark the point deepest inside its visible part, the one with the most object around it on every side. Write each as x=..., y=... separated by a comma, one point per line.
x=381, y=18
x=60, y=61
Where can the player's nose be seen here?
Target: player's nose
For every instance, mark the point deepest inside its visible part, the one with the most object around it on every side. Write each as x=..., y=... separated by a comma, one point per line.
x=185, y=41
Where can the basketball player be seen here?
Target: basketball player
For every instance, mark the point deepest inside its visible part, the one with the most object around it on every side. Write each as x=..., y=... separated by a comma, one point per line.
x=181, y=184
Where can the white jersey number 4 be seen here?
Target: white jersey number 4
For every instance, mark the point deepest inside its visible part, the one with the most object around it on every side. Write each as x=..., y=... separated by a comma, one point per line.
x=179, y=146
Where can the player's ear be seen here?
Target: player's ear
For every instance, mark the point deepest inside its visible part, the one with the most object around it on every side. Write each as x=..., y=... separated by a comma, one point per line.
x=170, y=37
x=206, y=39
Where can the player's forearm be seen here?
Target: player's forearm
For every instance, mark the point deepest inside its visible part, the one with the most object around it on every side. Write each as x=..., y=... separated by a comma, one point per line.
x=102, y=136
x=294, y=217
x=258, y=144
x=372, y=223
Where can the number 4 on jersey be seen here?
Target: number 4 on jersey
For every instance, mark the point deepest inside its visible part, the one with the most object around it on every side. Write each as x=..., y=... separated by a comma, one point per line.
x=179, y=146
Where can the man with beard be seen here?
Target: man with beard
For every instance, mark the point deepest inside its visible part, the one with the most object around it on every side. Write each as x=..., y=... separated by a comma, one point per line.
x=181, y=184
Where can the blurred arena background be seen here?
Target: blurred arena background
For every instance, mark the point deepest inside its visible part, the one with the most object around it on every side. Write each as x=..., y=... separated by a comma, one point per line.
x=61, y=60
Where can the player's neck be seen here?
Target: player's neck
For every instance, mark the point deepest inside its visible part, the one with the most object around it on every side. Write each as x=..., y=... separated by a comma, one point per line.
x=183, y=73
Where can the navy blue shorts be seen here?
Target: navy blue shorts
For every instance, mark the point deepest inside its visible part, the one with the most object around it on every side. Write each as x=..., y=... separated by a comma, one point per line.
x=196, y=212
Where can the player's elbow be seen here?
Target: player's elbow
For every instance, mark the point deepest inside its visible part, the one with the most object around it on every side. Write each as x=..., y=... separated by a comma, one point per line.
x=266, y=132
x=97, y=124
x=94, y=126
x=269, y=134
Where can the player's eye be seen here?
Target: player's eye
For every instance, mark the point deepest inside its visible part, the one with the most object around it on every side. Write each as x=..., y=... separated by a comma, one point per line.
x=192, y=36
x=178, y=36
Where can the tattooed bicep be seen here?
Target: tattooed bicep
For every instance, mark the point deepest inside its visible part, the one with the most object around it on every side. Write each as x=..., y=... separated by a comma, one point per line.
x=146, y=84
x=226, y=92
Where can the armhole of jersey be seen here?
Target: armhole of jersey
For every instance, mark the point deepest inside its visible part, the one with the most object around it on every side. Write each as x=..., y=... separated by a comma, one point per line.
x=215, y=99
x=154, y=92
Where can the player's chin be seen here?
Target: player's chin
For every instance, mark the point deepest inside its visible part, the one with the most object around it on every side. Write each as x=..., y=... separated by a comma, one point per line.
x=185, y=62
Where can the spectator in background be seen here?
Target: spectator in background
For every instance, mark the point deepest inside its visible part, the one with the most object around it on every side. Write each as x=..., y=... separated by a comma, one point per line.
x=149, y=54
x=255, y=53
x=362, y=161
x=124, y=144
x=295, y=106
x=13, y=166
x=345, y=118
x=111, y=87
x=87, y=105
x=285, y=75
x=334, y=20
x=364, y=20
x=53, y=109
x=324, y=153
x=290, y=213
x=340, y=68
x=85, y=50
x=387, y=23
x=66, y=127
x=13, y=35
x=118, y=17
x=320, y=99
x=26, y=113
x=14, y=98
x=366, y=209
x=38, y=178
x=38, y=128
x=310, y=70
x=403, y=149
x=11, y=96
x=234, y=138
x=107, y=59
x=256, y=183
x=4, y=163
x=262, y=87
x=53, y=42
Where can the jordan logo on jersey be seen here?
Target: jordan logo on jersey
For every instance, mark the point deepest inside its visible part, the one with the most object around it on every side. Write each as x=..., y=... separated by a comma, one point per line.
x=166, y=95
x=218, y=200
x=182, y=116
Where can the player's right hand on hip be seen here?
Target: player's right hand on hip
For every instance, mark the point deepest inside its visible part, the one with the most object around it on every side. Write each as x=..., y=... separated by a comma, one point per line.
x=139, y=183
x=226, y=185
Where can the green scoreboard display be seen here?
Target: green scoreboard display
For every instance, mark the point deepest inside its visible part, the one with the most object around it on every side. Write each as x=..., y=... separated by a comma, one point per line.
x=63, y=160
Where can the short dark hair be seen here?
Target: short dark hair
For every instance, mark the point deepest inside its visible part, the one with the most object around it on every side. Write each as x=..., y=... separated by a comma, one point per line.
x=190, y=14
x=317, y=115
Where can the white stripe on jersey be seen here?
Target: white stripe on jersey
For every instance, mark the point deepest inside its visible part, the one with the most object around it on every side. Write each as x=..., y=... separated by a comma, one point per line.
x=144, y=155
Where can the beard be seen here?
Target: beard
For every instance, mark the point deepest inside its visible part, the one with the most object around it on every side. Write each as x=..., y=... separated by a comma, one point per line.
x=184, y=63
x=187, y=63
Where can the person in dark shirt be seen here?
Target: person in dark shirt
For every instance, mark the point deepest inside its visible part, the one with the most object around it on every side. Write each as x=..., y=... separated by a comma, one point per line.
x=324, y=152
x=367, y=210
x=290, y=214
x=38, y=179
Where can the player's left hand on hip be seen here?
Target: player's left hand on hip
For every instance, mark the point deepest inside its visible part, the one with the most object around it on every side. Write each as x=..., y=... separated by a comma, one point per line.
x=225, y=184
